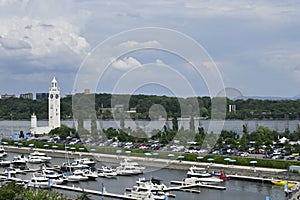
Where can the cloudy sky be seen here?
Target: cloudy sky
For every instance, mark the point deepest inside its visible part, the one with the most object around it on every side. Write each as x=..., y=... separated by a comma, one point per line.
x=255, y=45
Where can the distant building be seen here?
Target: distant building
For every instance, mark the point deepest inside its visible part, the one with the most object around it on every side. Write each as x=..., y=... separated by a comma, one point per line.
x=26, y=96
x=41, y=96
x=6, y=96
x=53, y=112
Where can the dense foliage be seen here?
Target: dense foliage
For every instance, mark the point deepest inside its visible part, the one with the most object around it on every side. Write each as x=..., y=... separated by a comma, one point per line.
x=18, y=108
x=13, y=191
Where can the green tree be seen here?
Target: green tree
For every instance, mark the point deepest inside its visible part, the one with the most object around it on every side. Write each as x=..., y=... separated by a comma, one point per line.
x=63, y=131
x=175, y=124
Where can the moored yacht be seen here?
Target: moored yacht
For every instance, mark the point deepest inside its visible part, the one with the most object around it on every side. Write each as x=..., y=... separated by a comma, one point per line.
x=55, y=177
x=92, y=175
x=195, y=171
x=2, y=152
x=19, y=160
x=107, y=172
x=38, y=181
x=5, y=163
x=66, y=166
x=128, y=167
x=149, y=190
x=34, y=159
x=85, y=161
x=70, y=177
x=41, y=155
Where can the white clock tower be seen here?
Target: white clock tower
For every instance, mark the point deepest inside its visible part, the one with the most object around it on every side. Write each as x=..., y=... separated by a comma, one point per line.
x=54, y=105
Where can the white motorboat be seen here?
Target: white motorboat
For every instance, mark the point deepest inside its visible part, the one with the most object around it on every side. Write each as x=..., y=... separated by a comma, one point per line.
x=34, y=159
x=107, y=172
x=149, y=190
x=50, y=173
x=128, y=167
x=5, y=163
x=195, y=171
x=55, y=177
x=38, y=181
x=92, y=175
x=85, y=161
x=41, y=155
x=80, y=174
x=66, y=166
x=2, y=152
x=19, y=160
x=70, y=177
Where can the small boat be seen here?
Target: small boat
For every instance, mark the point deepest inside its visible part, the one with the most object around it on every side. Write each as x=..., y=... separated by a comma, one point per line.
x=34, y=159
x=70, y=177
x=92, y=175
x=107, y=172
x=221, y=175
x=127, y=167
x=66, y=166
x=19, y=160
x=5, y=163
x=80, y=175
x=85, y=161
x=2, y=152
x=195, y=171
x=42, y=156
x=38, y=181
x=151, y=189
x=55, y=177
x=282, y=183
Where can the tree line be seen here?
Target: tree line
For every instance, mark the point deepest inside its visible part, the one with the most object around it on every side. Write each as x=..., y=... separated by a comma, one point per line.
x=104, y=104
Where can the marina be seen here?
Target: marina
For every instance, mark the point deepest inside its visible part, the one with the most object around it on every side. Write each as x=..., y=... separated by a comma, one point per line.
x=113, y=187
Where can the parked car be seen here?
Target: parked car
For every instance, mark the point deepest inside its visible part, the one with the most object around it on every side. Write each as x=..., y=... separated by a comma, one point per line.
x=290, y=158
x=244, y=154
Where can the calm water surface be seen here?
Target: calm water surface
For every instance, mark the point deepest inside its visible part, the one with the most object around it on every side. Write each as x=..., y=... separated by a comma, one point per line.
x=8, y=127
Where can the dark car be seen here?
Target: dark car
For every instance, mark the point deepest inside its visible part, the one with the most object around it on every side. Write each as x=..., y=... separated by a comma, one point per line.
x=290, y=158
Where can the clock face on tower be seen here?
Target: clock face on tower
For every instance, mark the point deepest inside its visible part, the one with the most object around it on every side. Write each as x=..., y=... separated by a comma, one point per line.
x=51, y=96
x=56, y=96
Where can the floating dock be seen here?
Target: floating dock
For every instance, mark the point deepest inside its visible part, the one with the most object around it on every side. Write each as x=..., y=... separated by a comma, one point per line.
x=251, y=178
x=184, y=186
x=105, y=194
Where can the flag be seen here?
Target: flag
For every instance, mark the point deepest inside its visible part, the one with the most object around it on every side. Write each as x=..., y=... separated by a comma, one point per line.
x=49, y=182
x=286, y=187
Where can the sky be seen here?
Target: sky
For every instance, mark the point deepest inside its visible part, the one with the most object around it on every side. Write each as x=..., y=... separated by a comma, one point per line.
x=252, y=47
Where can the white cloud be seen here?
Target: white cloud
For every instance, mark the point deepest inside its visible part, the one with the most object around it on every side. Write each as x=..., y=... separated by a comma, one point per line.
x=126, y=63
x=42, y=38
x=135, y=44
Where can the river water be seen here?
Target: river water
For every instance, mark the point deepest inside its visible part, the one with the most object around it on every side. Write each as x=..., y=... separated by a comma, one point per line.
x=236, y=190
x=8, y=127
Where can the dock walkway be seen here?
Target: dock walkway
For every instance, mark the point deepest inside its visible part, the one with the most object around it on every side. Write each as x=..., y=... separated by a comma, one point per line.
x=186, y=186
x=105, y=194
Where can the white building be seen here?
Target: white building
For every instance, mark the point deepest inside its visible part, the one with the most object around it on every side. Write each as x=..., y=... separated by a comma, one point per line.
x=53, y=112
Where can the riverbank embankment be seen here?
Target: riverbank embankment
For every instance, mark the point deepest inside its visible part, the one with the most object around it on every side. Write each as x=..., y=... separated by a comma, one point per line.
x=239, y=171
